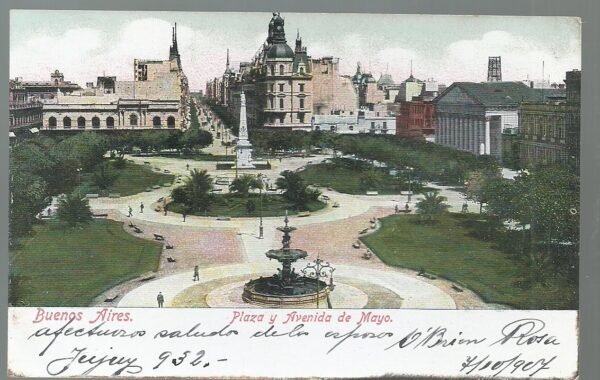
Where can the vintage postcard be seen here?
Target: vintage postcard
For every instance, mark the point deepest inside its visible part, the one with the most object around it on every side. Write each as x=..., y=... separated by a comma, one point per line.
x=293, y=195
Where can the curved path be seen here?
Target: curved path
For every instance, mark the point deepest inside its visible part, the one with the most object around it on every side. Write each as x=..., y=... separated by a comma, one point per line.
x=338, y=225
x=416, y=294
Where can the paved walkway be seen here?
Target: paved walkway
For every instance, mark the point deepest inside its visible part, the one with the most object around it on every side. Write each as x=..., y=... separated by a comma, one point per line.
x=328, y=233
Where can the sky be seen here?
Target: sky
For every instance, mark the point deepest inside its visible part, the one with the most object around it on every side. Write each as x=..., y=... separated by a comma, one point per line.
x=86, y=44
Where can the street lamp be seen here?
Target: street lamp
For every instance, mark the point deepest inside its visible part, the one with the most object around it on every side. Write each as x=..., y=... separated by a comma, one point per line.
x=320, y=269
x=79, y=181
x=260, y=227
x=409, y=170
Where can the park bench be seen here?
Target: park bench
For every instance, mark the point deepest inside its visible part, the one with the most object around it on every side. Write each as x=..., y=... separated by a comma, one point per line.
x=137, y=230
x=146, y=162
x=336, y=205
x=166, y=171
x=92, y=196
x=167, y=184
x=303, y=214
x=111, y=299
x=159, y=237
x=325, y=197
x=223, y=218
x=147, y=278
x=364, y=231
x=171, y=260
x=372, y=192
x=404, y=211
x=456, y=288
x=160, y=199
x=356, y=244
x=100, y=215
x=114, y=195
x=156, y=187
x=169, y=246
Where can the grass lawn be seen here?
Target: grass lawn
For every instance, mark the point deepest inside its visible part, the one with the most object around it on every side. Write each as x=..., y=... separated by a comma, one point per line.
x=200, y=157
x=235, y=206
x=132, y=179
x=448, y=249
x=346, y=178
x=70, y=267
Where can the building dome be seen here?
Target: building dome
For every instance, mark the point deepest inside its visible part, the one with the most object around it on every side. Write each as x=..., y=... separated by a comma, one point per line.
x=386, y=80
x=280, y=51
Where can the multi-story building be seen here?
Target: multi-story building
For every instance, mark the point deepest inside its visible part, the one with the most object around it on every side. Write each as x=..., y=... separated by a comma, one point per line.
x=157, y=97
x=24, y=111
x=473, y=116
x=416, y=119
x=369, y=92
x=378, y=121
x=47, y=90
x=550, y=131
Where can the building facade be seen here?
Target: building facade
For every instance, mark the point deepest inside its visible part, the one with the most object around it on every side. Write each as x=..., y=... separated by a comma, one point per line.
x=473, y=116
x=416, y=120
x=24, y=111
x=158, y=97
x=550, y=131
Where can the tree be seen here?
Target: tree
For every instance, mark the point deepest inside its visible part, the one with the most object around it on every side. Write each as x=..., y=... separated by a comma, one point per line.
x=74, y=210
x=294, y=188
x=250, y=206
x=432, y=205
x=244, y=183
x=475, y=188
x=195, y=138
x=28, y=197
x=104, y=177
x=196, y=191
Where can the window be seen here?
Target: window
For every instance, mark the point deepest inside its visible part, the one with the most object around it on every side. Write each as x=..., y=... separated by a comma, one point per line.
x=133, y=120
x=81, y=122
x=332, y=128
x=156, y=121
x=271, y=87
x=272, y=101
x=301, y=117
x=302, y=103
x=372, y=125
x=52, y=122
x=302, y=70
x=281, y=103
x=317, y=128
x=110, y=122
x=281, y=70
x=67, y=122
x=272, y=70
x=351, y=127
x=301, y=85
x=171, y=122
x=280, y=87
x=384, y=125
x=95, y=122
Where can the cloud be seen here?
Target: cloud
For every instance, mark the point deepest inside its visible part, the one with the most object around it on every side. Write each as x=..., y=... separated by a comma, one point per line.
x=521, y=58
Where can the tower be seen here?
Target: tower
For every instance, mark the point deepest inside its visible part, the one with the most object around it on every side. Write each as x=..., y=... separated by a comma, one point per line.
x=174, y=50
x=494, y=70
x=243, y=150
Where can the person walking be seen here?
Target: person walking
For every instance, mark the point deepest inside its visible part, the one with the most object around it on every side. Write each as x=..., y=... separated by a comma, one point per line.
x=141, y=207
x=130, y=214
x=406, y=207
x=196, y=274
x=183, y=213
x=187, y=167
x=160, y=299
x=396, y=209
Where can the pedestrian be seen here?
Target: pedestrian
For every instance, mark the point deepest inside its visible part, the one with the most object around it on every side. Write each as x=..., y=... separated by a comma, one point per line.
x=49, y=211
x=130, y=214
x=184, y=215
x=465, y=207
x=160, y=299
x=165, y=210
x=406, y=207
x=141, y=207
x=196, y=274
x=396, y=209
x=187, y=167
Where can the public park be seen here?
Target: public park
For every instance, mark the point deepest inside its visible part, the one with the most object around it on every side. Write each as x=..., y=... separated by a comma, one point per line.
x=220, y=216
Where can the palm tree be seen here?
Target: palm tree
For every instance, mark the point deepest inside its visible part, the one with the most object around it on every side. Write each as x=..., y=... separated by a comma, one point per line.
x=244, y=183
x=197, y=187
x=432, y=205
x=73, y=210
x=293, y=187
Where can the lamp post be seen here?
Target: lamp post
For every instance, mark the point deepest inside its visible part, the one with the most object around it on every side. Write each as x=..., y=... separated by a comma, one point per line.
x=409, y=170
x=260, y=226
x=79, y=181
x=320, y=269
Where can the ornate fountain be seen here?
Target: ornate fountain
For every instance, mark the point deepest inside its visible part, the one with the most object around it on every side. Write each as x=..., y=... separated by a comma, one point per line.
x=287, y=288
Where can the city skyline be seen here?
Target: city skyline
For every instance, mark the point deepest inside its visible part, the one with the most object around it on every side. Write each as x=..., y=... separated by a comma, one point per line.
x=88, y=44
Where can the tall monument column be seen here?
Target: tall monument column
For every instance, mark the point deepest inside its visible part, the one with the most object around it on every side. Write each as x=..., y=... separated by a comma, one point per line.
x=243, y=149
